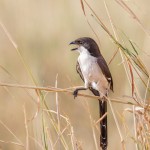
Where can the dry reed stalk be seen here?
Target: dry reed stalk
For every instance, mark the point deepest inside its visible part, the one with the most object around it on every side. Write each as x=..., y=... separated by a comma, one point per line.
x=66, y=90
x=12, y=133
x=26, y=128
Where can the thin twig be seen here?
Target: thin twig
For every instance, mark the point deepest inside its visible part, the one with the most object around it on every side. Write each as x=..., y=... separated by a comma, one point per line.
x=38, y=143
x=135, y=127
x=8, y=35
x=50, y=139
x=133, y=15
x=2, y=123
x=72, y=138
x=61, y=133
x=66, y=90
x=83, y=9
x=100, y=119
x=11, y=142
x=147, y=86
x=26, y=128
x=92, y=126
x=58, y=111
x=117, y=124
x=115, y=118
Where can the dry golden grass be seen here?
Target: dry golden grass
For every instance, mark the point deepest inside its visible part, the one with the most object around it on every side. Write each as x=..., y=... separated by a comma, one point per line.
x=35, y=54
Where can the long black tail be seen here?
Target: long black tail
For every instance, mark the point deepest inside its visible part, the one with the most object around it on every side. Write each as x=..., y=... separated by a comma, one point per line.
x=103, y=124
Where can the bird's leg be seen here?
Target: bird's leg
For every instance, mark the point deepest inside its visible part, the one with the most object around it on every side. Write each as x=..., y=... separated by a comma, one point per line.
x=75, y=93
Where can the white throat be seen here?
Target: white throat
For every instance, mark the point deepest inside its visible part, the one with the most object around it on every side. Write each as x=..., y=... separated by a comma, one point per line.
x=83, y=50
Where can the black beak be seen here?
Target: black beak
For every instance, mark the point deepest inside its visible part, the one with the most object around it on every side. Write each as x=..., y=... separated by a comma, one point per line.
x=72, y=43
x=75, y=44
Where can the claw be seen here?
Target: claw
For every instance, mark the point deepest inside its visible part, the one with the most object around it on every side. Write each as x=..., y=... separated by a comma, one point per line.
x=75, y=93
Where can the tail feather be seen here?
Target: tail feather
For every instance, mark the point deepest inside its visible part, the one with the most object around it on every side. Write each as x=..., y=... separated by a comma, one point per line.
x=103, y=124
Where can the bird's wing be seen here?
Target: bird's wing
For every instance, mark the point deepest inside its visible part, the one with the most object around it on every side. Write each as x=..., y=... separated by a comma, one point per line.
x=79, y=71
x=105, y=70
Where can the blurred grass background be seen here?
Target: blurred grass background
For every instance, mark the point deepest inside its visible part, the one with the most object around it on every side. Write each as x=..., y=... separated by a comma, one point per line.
x=42, y=30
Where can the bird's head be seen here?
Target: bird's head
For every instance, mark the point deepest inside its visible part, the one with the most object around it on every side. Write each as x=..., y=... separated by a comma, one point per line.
x=86, y=44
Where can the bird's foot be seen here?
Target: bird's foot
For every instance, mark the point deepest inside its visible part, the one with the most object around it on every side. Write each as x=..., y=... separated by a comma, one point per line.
x=75, y=93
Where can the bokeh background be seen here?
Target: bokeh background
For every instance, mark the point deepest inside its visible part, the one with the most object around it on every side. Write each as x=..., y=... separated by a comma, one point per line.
x=42, y=31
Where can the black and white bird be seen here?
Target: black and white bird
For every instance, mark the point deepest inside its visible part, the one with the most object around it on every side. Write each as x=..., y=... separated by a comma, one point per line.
x=95, y=73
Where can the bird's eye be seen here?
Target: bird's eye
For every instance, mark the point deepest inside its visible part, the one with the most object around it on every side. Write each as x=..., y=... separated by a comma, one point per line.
x=80, y=42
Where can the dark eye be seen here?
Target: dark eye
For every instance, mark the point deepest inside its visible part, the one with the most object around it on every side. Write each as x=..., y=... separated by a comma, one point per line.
x=80, y=42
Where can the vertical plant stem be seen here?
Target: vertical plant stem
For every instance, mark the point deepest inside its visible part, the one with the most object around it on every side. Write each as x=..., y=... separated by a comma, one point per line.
x=11, y=132
x=116, y=121
x=117, y=124
x=26, y=128
x=135, y=128
x=72, y=138
x=44, y=132
x=58, y=111
x=93, y=127
x=147, y=86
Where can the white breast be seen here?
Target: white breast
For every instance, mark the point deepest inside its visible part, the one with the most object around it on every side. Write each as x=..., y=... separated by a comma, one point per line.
x=91, y=70
x=89, y=67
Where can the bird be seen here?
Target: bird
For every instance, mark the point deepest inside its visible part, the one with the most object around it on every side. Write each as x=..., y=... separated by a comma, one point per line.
x=94, y=71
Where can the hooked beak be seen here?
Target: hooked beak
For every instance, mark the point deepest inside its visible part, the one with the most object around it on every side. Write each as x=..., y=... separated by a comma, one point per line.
x=73, y=49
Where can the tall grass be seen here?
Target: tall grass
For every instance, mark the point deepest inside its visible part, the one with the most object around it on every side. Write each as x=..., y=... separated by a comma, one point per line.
x=55, y=130
x=134, y=67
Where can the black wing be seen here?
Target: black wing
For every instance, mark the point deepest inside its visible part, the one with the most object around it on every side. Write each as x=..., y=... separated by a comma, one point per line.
x=105, y=70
